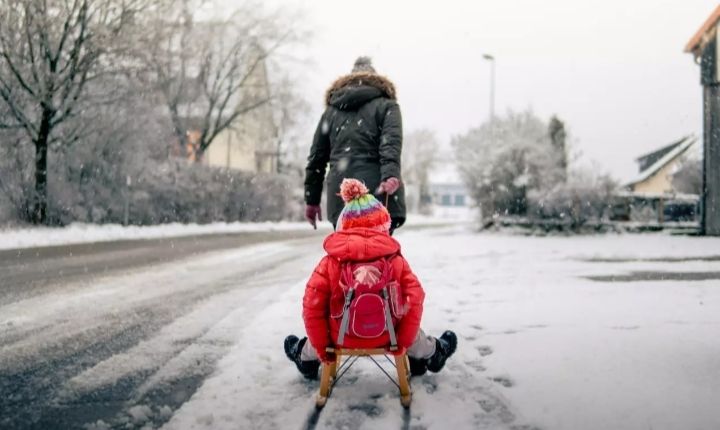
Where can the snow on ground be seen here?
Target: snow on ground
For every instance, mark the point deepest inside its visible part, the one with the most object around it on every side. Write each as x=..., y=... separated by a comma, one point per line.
x=541, y=345
x=87, y=233
x=573, y=353
x=584, y=332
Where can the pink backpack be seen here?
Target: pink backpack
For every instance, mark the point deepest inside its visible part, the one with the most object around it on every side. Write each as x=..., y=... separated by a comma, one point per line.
x=373, y=301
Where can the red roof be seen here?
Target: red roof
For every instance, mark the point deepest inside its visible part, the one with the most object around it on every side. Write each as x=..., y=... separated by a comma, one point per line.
x=697, y=38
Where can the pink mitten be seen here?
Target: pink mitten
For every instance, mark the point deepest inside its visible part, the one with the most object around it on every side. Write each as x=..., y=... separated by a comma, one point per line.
x=389, y=186
x=313, y=214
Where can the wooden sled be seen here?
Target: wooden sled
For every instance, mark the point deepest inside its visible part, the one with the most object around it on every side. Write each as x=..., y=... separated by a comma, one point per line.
x=333, y=372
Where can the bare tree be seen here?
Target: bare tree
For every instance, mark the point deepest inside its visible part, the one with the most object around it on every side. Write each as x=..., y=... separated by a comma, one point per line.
x=212, y=72
x=51, y=53
x=290, y=109
x=688, y=178
x=420, y=151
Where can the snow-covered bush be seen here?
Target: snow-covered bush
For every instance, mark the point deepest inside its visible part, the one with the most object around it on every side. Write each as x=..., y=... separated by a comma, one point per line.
x=585, y=196
x=175, y=191
x=180, y=192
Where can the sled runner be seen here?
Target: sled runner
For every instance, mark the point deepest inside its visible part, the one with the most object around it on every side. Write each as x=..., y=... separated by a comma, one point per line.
x=332, y=373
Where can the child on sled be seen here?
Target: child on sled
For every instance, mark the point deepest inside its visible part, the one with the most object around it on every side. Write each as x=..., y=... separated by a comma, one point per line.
x=385, y=305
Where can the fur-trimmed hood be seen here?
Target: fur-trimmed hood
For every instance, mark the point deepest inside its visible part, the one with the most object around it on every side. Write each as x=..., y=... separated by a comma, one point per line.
x=367, y=85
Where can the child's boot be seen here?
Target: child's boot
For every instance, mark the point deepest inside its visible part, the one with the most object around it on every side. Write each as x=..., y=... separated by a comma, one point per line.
x=445, y=346
x=418, y=366
x=293, y=349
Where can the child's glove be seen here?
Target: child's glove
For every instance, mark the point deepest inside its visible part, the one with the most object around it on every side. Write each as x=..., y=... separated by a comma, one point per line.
x=326, y=357
x=399, y=351
x=313, y=214
x=389, y=186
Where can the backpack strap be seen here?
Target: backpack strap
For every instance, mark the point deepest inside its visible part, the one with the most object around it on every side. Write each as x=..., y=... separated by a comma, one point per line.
x=346, y=316
x=388, y=320
x=388, y=274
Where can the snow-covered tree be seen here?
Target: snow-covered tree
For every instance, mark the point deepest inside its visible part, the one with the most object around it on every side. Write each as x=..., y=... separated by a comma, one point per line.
x=501, y=161
x=558, y=138
x=81, y=110
x=52, y=54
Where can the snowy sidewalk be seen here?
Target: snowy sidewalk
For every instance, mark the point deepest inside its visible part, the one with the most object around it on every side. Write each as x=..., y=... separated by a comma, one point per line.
x=89, y=233
x=30, y=237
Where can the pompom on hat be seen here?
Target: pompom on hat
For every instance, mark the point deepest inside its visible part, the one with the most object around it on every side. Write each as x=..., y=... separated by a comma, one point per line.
x=363, y=64
x=361, y=209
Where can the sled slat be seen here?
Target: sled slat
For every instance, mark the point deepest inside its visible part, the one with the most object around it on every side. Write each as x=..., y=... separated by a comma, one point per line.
x=354, y=352
x=329, y=372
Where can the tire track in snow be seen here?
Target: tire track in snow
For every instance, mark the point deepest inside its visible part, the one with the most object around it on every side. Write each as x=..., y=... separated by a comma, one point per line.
x=90, y=324
x=31, y=272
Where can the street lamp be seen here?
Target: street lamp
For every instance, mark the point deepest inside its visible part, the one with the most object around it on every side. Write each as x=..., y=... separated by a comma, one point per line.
x=491, y=59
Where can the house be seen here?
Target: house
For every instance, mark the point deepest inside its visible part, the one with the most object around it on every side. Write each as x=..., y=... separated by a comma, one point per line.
x=445, y=188
x=657, y=167
x=251, y=142
x=651, y=197
x=705, y=48
x=449, y=195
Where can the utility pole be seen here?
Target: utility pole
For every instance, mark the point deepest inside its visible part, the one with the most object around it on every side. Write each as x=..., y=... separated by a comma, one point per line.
x=491, y=59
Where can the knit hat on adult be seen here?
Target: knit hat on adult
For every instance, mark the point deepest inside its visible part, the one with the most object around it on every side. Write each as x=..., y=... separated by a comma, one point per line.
x=361, y=209
x=363, y=64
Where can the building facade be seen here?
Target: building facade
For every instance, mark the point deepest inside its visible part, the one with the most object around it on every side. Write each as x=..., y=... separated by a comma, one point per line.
x=251, y=142
x=657, y=168
x=705, y=47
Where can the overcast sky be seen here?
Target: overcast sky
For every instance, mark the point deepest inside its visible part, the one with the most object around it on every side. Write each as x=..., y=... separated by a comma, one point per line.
x=614, y=70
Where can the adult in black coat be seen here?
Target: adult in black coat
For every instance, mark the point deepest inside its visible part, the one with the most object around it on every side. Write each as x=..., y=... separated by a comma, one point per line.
x=360, y=136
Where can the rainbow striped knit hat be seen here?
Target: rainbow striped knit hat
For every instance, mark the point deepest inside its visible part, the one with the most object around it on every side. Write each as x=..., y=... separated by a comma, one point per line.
x=361, y=209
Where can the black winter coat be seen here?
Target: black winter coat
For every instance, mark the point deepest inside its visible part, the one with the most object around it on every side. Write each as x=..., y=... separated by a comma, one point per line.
x=360, y=136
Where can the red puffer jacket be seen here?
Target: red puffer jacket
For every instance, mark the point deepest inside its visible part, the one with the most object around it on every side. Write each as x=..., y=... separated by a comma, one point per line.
x=358, y=244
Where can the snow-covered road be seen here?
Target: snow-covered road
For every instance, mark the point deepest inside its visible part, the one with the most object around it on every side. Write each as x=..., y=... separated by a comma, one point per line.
x=594, y=332
x=86, y=348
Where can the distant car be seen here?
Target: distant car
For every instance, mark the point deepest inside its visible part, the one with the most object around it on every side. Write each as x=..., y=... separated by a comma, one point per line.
x=645, y=208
